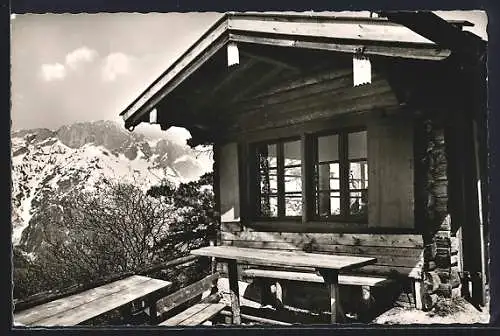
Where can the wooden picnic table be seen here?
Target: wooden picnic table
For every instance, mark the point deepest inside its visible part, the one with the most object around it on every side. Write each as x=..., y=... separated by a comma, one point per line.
x=328, y=266
x=81, y=307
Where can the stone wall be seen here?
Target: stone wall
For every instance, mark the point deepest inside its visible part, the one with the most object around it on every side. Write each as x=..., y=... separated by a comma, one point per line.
x=441, y=264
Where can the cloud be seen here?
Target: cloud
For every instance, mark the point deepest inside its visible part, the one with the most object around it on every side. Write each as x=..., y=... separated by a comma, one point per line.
x=55, y=71
x=78, y=56
x=116, y=64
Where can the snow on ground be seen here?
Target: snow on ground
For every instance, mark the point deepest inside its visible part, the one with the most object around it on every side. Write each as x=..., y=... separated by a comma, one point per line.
x=462, y=313
x=43, y=166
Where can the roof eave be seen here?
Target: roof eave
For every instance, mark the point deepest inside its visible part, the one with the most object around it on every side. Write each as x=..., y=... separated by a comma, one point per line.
x=220, y=33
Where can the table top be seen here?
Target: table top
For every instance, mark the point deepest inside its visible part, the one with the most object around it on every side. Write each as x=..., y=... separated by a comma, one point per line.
x=285, y=258
x=83, y=306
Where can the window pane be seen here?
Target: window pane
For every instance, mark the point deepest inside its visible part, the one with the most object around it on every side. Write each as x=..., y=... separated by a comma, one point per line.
x=293, y=205
x=292, y=153
x=328, y=148
x=329, y=176
x=293, y=179
x=357, y=145
x=269, y=206
x=358, y=202
x=269, y=182
x=328, y=203
x=267, y=156
x=358, y=175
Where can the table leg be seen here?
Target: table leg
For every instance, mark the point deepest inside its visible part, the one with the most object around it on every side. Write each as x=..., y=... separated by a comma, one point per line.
x=331, y=278
x=153, y=312
x=232, y=271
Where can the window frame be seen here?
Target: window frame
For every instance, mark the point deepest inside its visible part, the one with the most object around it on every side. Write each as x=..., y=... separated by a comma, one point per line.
x=344, y=169
x=280, y=170
x=309, y=157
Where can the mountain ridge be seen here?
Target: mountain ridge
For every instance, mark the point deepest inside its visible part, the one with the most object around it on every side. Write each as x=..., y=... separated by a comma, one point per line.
x=83, y=154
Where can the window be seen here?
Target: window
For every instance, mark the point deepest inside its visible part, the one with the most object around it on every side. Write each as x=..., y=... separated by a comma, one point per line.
x=341, y=176
x=279, y=179
x=337, y=187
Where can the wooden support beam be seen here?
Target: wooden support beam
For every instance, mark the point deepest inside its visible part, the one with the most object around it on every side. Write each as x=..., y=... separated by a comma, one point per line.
x=266, y=78
x=233, y=73
x=417, y=52
x=187, y=293
x=440, y=31
x=270, y=60
x=256, y=318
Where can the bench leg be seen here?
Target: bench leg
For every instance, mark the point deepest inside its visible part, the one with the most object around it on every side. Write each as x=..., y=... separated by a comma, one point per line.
x=417, y=291
x=266, y=292
x=366, y=297
x=153, y=312
x=232, y=271
x=279, y=293
x=126, y=313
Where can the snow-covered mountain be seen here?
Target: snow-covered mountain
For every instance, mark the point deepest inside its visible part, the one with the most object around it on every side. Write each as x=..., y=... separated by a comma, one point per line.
x=79, y=155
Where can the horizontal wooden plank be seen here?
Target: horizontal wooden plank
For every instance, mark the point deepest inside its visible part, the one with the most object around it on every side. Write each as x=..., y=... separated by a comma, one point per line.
x=231, y=227
x=187, y=293
x=340, y=88
x=103, y=304
x=204, y=315
x=377, y=270
x=177, y=319
x=290, y=103
x=322, y=109
x=362, y=239
x=333, y=29
x=347, y=249
x=255, y=318
x=344, y=279
x=34, y=314
x=382, y=259
x=303, y=81
x=274, y=257
x=417, y=52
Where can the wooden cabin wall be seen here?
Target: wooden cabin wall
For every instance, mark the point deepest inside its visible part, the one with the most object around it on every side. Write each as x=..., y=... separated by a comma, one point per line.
x=395, y=253
x=229, y=191
x=391, y=172
x=309, y=105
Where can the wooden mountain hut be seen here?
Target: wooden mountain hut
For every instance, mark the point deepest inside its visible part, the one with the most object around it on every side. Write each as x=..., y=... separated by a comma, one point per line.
x=359, y=136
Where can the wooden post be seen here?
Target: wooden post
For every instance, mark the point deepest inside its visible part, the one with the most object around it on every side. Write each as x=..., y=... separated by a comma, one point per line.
x=417, y=290
x=126, y=313
x=304, y=176
x=153, y=312
x=232, y=272
x=265, y=290
x=331, y=278
x=481, y=276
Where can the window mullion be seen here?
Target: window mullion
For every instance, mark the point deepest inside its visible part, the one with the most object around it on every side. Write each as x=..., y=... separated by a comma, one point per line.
x=344, y=175
x=281, y=179
x=305, y=171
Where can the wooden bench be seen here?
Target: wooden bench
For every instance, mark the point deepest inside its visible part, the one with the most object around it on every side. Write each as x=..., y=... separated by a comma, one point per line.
x=198, y=313
x=195, y=315
x=364, y=281
x=81, y=307
x=398, y=255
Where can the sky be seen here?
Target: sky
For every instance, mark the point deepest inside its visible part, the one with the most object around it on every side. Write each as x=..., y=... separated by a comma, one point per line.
x=68, y=68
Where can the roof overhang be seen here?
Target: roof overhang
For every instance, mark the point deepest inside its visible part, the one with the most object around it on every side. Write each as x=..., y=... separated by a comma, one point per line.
x=372, y=36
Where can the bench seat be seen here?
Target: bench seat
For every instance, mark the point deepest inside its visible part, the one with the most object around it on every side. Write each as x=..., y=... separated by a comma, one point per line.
x=365, y=282
x=195, y=315
x=344, y=279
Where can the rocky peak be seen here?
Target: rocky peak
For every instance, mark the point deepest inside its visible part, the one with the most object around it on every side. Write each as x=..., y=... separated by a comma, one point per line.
x=104, y=133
